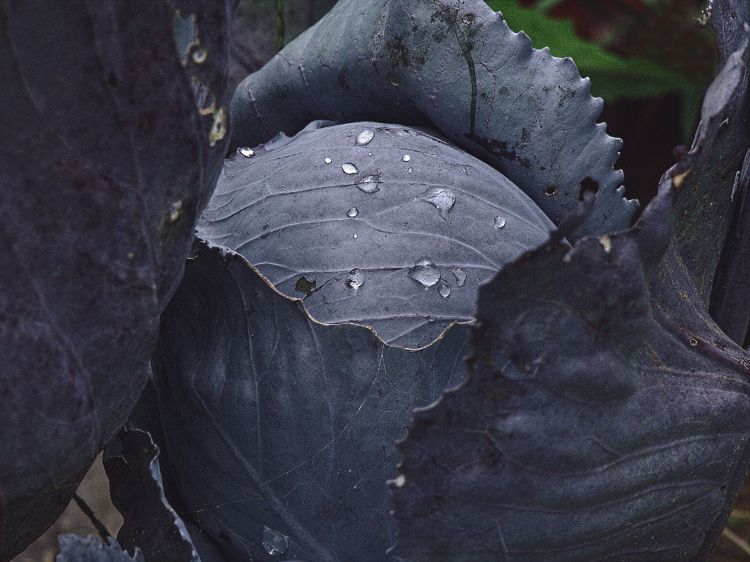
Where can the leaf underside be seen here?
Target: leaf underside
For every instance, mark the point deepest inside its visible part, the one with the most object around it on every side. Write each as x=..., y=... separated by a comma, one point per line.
x=279, y=430
x=349, y=244
x=457, y=67
x=105, y=162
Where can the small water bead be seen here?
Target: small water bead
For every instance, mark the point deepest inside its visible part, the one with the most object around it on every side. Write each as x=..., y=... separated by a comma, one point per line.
x=499, y=223
x=365, y=137
x=460, y=276
x=441, y=198
x=353, y=212
x=355, y=236
x=349, y=168
x=200, y=55
x=406, y=158
x=425, y=272
x=355, y=279
x=327, y=160
x=410, y=170
x=445, y=291
x=246, y=151
x=274, y=543
x=368, y=184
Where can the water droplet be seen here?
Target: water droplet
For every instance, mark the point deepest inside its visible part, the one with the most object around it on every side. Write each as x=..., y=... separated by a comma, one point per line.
x=441, y=198
x=246, y=151
x=410, y=170
x=468, y=19
x=398, y=482
x=499, y=223
x=327, y=160
x=349, y=168
x=353, y=212
x=305, y=285
x=365, y=137
x=460, y=276
x=392, y=80
x=175, y=211
x=406, y=158
x=368, y=184
x=425, y=272
x=445, y=291
x=355, y=279
x=200, y=55
x=355, y=236
x=274, y=543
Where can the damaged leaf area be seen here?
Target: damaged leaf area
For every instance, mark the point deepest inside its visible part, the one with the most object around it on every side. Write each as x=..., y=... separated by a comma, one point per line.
x=457, y=67
x=104, y=164
x=299, y=419
x=150, y=525
x=391, y=227
x=601, y=420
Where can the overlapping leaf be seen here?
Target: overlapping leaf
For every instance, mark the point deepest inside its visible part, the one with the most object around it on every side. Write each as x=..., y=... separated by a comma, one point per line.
x=107, y=156
x=456, y=66
x=281, y=431
x=347, y=223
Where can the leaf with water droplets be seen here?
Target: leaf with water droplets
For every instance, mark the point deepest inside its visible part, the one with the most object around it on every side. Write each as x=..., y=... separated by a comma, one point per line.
x=297, y=418
x=328, y=223
x=455, y=66
x=95, y=226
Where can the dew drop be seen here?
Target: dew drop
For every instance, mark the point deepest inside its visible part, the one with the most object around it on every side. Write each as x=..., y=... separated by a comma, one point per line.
x=441, y=198
x=353, y=212
x=355, y=236
x=246, y=151
x=200, y=55
x=406, y=158
x=499, y=223
x=425, y=272
x=274, y=543
x=410, y=170
x=445, y=291
x=368, y=184
x=468, y=19
x=355, y=279
x=349, y=168
x=327, y=160
x=460, y=276
x=365, y=137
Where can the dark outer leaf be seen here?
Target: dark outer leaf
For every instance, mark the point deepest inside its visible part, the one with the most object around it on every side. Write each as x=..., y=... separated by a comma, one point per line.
x=104, y=164
x=276, y=422
x=703, y=215
x=730, y=305
x=150, y=523
x=74, y=548
x=617, y=430
x=287, y=212
x=457, y=66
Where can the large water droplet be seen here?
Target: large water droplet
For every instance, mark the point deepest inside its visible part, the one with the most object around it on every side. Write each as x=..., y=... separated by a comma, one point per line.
x=353, y=212
x=406, y=158
x=460, y=276
x=499, y=223
x=200, y=55
x=355, y=279
x=349, y=168
x=425, y=272
x=327, y=160
x=368, y=184
x=274, y=543
x=365, y=137
x=441, y=198
x=246, y=151
x=445, y=291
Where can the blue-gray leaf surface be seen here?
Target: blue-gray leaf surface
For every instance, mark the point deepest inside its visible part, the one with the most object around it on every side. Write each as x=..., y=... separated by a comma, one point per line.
x=617, y=429
x=381, y=225
x=106, y=158
x=457, y=66
x=74, y=548
x=280, y=431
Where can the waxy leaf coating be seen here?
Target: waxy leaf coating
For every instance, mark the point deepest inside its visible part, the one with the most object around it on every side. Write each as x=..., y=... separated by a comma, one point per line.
x=281, y=431
x=457, y=67
x=382, y=225
x=106, y=158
